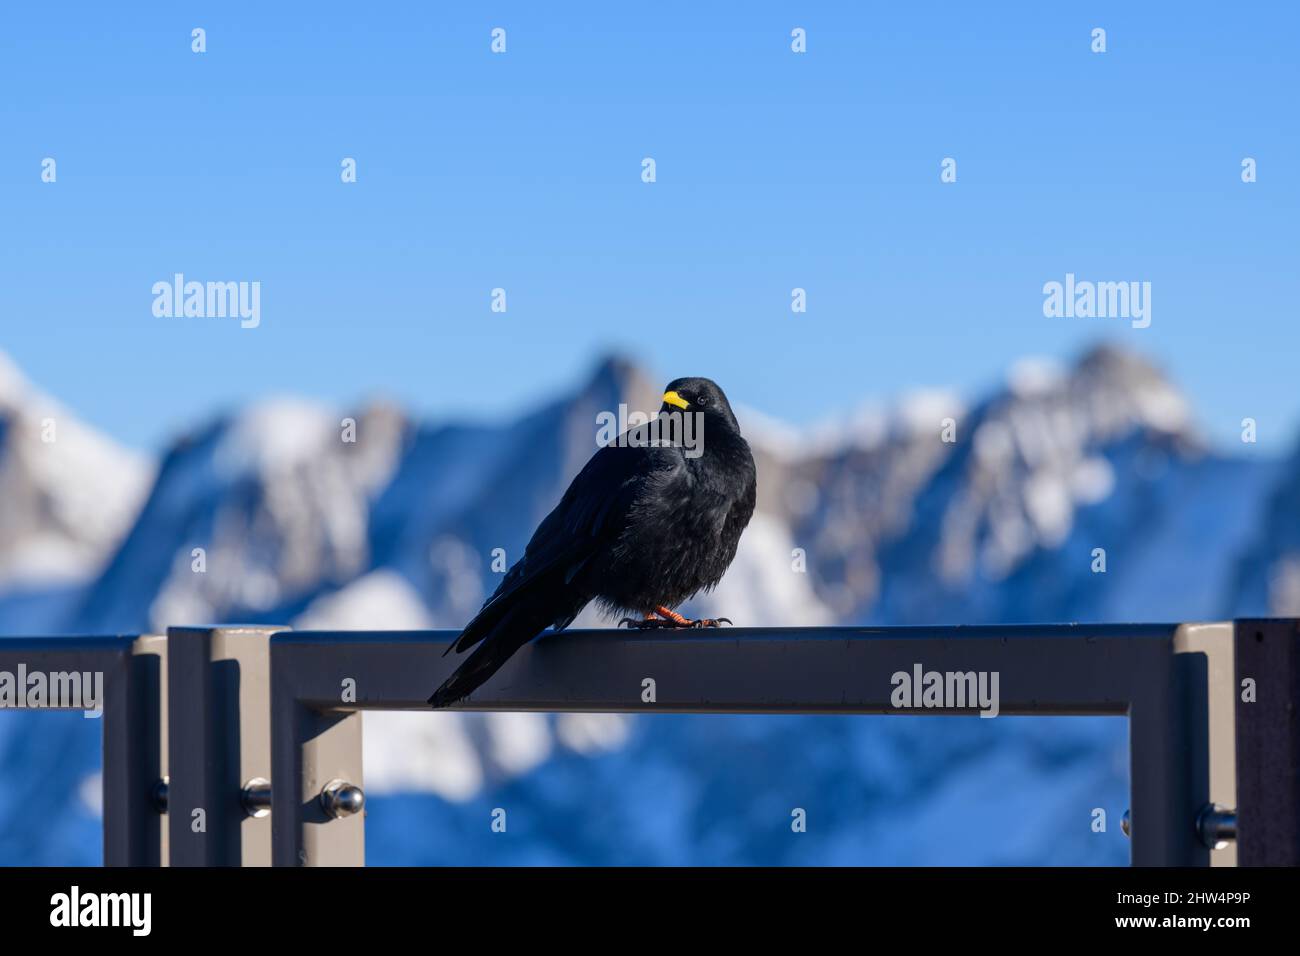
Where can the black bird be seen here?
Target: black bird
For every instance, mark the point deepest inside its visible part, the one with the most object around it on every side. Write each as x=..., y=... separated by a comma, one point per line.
x=651, y=520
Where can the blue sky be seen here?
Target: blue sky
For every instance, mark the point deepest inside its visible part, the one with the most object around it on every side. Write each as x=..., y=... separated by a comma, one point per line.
x=522, y=171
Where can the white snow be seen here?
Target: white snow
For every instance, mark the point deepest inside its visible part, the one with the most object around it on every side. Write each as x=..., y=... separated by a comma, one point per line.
x=1050, y=506
x=421, y=753
x=274, y=435
x=993, y=444
x=1035, y=375
x=762, y=586
x=592, y=733
x=1284, y=587
x=379, y=600
x=1164, y=408
x=922, y=411
x=90, y=791
x=517, y=742
x=865, y=428
x=1093, y=480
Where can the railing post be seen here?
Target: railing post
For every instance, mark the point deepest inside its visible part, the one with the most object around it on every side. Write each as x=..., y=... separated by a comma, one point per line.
x=1169, y=762
x=314, y=745
x=219, y=739
x=1267, y=695
x=135, y=729
x=1216, y=641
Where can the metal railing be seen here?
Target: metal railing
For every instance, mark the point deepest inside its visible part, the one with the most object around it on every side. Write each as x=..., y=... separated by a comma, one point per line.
x=258, y=760
x=133, y=727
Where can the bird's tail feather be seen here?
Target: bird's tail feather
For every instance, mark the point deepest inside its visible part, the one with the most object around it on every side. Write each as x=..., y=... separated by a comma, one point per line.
x=511, y=632
x=513, y=592
x=483, y=624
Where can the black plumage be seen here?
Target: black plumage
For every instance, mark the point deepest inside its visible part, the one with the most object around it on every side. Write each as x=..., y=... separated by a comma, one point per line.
x=644, y=526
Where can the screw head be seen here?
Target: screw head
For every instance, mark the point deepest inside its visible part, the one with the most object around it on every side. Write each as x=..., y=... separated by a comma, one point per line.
x=342, y=799
x=1216, y=826
x=160, y=794
x=256, y=797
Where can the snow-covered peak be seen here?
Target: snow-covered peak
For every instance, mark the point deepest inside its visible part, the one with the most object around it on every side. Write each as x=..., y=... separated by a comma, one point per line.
x=871, y=426
x=274, y=435
x=924, y=411
x=257, y=511
x=1029, y=458
x=1126, y=391
x=67, y=493
x=1035, y=375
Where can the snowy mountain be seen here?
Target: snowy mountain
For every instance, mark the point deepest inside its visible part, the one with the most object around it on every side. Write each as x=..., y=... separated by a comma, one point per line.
x=249, y=518
x=1062, y=471
x=931, y=511
x=67, y=496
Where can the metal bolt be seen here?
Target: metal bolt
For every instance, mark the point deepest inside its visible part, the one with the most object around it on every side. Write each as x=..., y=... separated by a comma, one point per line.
x=1216, y=826
x=256, y=797
x=1126, y=824
x=160, y=795
x=342, y=799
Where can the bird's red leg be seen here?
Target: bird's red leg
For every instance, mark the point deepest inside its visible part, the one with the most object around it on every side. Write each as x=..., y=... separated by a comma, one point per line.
x=673, y=616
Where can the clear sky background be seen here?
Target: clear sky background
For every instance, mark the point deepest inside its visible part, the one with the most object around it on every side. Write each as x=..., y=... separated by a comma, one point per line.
x=522, y=171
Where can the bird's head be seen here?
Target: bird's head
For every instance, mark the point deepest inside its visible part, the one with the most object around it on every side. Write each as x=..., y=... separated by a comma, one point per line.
x=701, y=396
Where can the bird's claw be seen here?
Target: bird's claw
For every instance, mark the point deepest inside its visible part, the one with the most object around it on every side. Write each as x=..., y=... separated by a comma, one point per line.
x=637, y=624
x=633, y=623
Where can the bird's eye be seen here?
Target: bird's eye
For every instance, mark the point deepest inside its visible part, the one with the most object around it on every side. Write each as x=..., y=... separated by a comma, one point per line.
x=702, y=400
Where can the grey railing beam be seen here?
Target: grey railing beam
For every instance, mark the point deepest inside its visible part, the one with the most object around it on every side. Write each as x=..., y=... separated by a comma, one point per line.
x=1052, y=670
x=1058, y=669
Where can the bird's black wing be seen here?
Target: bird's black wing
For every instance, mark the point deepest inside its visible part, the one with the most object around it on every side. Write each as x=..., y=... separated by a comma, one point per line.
x=591, y=515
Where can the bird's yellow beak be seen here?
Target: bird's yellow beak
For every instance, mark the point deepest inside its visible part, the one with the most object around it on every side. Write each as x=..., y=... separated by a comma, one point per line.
x=672, y=398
